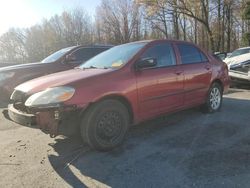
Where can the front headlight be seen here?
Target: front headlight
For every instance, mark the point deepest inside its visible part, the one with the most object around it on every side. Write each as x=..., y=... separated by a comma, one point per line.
x=50, y=97
x=6, y=75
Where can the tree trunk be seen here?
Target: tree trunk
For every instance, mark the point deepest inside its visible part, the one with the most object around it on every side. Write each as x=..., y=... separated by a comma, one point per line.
x=184, y=28
x=228, y=16
x=223, y=30
x=219, y=26
x=211, y=39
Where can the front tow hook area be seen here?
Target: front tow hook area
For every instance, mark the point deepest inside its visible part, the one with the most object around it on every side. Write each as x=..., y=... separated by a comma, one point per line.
x=53, y=129
x=47, y=122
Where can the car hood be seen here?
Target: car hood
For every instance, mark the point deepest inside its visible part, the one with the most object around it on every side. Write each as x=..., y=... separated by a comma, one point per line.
x=59, y=79
x=21, y=66
x=7, y=64
x=237, y=59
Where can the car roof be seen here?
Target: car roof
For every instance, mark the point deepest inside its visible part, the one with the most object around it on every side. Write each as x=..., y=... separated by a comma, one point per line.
x=160, y=40
x=95, y=46
x=170, y=40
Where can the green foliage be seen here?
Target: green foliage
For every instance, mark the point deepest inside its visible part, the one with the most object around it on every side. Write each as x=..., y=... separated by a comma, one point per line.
x=246, y=39
x=246, y=11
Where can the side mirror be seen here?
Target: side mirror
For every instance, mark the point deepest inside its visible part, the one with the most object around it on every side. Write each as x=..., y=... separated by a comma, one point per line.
x=146, y=63
x=70, y=57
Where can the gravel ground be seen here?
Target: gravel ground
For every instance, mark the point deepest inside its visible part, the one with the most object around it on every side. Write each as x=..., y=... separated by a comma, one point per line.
x=186, y=149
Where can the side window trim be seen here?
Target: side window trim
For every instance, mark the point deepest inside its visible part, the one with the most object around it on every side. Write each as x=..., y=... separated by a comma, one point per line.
x=162, y=67
x=204, y=55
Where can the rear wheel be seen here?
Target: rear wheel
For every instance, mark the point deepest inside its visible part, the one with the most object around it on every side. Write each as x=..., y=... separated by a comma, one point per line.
x=105, y=125
x=214, y=99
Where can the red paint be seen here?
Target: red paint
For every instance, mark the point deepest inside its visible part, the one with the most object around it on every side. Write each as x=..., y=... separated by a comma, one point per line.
x=149, y=92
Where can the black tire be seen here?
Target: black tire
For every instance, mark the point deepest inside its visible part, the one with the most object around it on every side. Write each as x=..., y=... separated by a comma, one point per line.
x=105, y=124
x=211, y=105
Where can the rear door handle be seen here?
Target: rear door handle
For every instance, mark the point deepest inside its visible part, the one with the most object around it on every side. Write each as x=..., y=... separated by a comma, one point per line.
x=178, y=72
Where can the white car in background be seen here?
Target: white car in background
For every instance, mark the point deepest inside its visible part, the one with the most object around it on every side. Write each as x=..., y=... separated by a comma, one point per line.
x=239, y=66
x=238, y=56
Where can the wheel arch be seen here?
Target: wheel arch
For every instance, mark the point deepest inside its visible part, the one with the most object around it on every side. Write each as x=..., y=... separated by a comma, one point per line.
x=218, y=81
x=119, y=98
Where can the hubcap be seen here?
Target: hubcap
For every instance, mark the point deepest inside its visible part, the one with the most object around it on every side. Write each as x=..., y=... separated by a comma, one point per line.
x=109, y=127
x=215, y=98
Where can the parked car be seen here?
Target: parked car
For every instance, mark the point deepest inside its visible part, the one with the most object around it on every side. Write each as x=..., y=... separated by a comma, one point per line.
x=241, y=54
x=221, y=55
x=240, y=73
x=125, y=85
x=61, y=60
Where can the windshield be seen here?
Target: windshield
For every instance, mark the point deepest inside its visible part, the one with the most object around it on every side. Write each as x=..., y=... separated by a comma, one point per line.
x=240, y=52
x=115, y=57
x=57, y=55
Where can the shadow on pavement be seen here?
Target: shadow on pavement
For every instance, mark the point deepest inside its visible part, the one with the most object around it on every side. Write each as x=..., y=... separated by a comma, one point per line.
x=234, y=90
x=185, y=149
x=3, y=104
x=241, y=86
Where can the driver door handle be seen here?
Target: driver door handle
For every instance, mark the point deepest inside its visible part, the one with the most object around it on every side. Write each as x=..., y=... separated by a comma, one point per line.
x=208, y=67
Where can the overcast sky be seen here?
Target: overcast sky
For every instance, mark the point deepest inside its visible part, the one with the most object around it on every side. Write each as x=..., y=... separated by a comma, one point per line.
x=25, y=13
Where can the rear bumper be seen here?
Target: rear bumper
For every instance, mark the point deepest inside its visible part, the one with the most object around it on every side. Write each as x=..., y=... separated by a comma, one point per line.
x=52, y=122
x=240, y=78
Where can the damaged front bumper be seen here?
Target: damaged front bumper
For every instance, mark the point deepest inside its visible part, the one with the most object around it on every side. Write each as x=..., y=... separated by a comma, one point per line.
x=53, y=121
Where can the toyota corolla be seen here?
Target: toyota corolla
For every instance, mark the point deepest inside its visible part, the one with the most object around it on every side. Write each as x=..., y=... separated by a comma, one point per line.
x=120, y=87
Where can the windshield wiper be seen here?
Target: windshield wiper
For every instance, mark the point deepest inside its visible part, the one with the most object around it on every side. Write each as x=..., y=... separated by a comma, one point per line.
x=91, y=67
x=105, y=67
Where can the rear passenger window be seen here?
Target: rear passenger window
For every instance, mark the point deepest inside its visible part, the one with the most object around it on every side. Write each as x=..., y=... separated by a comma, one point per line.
x=163, y=53
x=190, y=54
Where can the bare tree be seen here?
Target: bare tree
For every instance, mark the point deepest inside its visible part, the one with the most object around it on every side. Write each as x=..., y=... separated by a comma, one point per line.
x=216, y=25
x=159, y=14
x=118, y=19
x=12, y=46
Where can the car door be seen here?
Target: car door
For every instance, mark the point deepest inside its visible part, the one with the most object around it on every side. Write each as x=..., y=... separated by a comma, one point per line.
x=160, y=88
x=197, y=73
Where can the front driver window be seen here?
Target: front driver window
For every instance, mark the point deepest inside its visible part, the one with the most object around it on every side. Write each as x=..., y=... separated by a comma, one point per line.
x=83, y=54
x=163, y=53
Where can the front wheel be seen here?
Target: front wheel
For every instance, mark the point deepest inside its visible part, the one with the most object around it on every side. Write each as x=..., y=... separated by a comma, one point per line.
x=214, y=99
x=105, y=124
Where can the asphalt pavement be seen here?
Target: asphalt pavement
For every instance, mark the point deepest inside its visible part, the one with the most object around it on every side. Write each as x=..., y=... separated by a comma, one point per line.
x=185, y=149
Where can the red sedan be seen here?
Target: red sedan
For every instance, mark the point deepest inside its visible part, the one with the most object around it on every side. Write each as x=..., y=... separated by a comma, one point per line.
x=125, y=85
